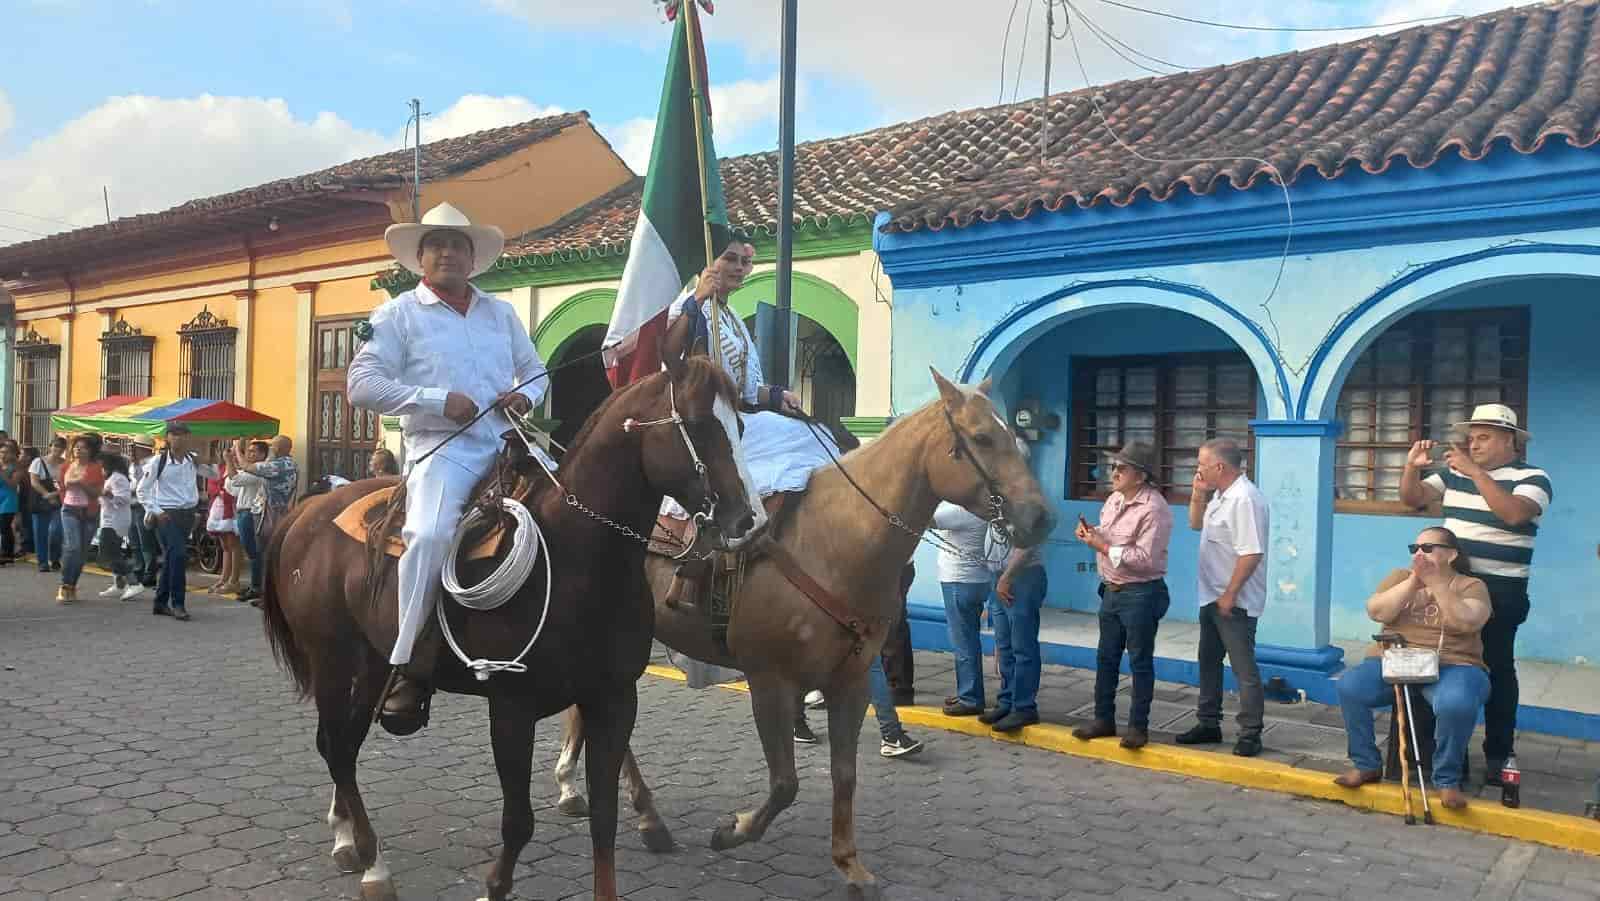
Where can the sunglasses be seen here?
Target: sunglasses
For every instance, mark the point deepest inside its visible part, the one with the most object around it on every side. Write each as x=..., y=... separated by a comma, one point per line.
x=1428, y=547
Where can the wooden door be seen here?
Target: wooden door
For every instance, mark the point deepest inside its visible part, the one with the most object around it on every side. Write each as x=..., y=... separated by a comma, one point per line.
x=342, y=437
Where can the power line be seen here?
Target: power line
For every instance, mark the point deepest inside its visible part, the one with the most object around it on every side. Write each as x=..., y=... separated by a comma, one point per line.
x=1022, y=55
x=1105, y=35
x=1166, y=15
x=26, y=231
x=1005, y=48
x=40, y=218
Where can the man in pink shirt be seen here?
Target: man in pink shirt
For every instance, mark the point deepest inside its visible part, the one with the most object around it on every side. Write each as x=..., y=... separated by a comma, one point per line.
x=1131, y=550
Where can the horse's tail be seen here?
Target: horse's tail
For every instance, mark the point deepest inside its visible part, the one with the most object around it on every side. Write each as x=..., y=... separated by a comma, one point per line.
x=290, y=655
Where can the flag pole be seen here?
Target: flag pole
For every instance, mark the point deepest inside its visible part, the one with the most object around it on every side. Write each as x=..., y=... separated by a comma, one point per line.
x=697, y=89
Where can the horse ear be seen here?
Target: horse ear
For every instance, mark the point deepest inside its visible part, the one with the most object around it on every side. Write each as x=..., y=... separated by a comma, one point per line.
x=952, y=394
x=670, y=355
x=985, y=385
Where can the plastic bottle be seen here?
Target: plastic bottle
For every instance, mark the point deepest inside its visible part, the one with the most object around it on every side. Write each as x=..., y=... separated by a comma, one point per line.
x=1511, y=784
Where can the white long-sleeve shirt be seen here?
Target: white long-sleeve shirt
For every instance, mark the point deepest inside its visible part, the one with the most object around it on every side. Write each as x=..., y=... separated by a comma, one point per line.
x=172, y=486
x=738, y=346
x=116, y=499
x=248, y=489
x=421, y=350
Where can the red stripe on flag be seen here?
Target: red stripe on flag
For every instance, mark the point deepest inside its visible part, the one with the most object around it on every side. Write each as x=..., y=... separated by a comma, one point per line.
x=644, y=359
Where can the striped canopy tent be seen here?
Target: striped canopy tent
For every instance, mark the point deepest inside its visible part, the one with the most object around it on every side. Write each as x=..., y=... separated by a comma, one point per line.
x=149, y=417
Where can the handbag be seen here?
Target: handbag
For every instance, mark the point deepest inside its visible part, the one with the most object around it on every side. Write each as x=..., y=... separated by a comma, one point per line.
x=1413, y=666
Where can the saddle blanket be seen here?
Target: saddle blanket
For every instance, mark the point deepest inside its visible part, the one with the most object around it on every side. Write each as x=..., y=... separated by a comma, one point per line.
x=364, y=514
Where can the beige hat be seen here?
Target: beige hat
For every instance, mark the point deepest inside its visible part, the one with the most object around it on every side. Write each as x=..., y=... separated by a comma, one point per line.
x=405, y=240
x=1499, y=416
x=1141, y=455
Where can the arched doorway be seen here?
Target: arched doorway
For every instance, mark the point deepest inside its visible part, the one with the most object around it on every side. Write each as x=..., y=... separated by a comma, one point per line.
x=579, y=389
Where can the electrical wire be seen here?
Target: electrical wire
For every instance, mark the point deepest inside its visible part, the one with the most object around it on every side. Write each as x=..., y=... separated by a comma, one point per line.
x=1105, y=39
x=40, y=218
x=1022, y=55
x=1314, y=28
x=1005, y=48
x=26, y=231
x=1105, y=35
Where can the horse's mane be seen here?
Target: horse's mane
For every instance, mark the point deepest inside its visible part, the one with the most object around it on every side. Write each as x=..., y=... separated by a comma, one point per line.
x=699, y=370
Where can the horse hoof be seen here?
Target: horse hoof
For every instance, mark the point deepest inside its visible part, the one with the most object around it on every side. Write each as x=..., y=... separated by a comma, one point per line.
x=657, y=840
x=379, y=890
x=574, y=806
x=866, y=891
x=348, y=859
x=725, y=836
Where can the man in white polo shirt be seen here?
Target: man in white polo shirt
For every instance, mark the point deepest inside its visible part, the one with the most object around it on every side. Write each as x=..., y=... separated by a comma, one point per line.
x=1231, y=515
x=1492, y=501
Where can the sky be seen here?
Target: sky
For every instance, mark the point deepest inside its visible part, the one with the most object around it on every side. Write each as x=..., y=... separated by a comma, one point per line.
x=156, y=102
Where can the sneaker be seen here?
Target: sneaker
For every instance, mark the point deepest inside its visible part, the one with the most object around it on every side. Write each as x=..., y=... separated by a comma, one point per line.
x=994, y=715
x=1201, y=735
x=66, y=594
x=903, y=745
x=815, y=700
x=803, y=734
x=1247, y=746
x=132, y=592
x=112, y=591
x=180, y=614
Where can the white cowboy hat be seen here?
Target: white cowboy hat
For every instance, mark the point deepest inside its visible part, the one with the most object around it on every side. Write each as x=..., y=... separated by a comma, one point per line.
x=1499, y=416
x=405, y=240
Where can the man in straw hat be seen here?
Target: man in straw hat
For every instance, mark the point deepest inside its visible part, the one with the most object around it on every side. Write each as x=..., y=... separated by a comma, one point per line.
x=1492, y=501
x=1131, y=551
x=437, y=355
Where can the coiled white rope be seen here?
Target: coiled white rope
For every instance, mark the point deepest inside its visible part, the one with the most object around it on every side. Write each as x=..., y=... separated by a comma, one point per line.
x=527, y=545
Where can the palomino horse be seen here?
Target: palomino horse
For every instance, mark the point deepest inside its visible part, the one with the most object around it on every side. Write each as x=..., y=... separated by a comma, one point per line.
x=328, y=630
x=954, y=449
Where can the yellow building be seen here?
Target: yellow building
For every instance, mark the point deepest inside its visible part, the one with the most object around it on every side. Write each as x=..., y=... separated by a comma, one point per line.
x=251, y=296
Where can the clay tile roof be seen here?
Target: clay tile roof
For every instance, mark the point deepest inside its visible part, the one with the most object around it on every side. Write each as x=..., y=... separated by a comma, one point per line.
x=1517, y=77
x=440, y=159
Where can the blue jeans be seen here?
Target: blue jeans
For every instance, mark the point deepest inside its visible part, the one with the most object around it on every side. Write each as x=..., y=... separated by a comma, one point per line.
x=47, y=537
x=174, y=536
x=1129, y=618
x=1456, y=698
x=246, y=521
x=1016, y=640
x=77, y=527
x=963, y=606
x=882, y=701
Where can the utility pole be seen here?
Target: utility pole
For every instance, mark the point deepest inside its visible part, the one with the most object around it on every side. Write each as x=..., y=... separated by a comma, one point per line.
x=776, y=362
x=416, y=163
x=105, y=194
x=1044, y=101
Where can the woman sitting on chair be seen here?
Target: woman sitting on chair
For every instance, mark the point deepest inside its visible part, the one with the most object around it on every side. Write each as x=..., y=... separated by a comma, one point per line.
x=1433, y=604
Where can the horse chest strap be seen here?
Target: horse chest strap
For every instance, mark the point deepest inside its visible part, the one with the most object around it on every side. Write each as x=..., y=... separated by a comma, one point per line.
x=825, y=600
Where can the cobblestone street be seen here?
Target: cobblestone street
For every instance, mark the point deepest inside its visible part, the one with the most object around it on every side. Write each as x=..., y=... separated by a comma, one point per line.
x=146, y=758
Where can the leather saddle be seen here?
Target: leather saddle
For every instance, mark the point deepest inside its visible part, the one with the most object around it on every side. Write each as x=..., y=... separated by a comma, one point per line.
x=383, y=511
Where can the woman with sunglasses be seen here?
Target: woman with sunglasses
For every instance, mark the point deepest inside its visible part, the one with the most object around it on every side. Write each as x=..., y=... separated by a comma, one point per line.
x=1433, y=604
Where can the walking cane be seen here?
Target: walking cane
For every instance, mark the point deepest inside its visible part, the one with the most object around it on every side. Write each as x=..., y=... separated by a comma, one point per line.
x=1422, y=782
x=1405, y=765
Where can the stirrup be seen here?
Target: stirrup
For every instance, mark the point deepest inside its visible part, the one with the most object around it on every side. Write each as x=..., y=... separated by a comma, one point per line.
x=406, y=722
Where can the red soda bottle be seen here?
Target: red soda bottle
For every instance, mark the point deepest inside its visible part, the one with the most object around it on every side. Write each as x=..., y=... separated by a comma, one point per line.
x=1511, y=784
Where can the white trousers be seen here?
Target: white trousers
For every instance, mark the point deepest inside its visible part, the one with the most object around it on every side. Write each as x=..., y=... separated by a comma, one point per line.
x=437, y=490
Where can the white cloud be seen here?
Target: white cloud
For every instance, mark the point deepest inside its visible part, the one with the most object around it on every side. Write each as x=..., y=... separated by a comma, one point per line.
x=736, y=108
x=154, y=153
x=7, y=115
x=632, y=140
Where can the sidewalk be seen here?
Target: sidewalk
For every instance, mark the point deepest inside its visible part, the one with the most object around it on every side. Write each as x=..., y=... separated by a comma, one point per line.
x=1558, y=774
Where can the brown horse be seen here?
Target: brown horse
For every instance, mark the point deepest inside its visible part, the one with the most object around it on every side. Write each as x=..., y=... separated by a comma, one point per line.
x=332, y=634
x=954, y=449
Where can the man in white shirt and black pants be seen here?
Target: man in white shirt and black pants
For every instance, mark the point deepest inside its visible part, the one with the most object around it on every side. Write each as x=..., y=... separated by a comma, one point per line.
x=170, y=495
x=1232, y=517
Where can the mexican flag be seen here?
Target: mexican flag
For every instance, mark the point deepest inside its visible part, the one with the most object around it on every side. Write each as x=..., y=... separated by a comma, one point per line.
x=668, y=248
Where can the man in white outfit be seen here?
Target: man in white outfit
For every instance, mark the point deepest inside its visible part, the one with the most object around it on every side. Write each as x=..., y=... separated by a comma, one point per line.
x=437, y=355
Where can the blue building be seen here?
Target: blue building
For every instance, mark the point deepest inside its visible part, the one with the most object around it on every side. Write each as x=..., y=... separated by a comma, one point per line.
x=1437, y=246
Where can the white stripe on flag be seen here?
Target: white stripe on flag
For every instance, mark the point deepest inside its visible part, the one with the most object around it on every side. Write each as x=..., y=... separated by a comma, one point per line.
x=650, y=284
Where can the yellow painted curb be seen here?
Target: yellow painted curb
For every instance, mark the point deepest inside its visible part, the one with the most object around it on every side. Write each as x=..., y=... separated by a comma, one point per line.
x=1543, y=827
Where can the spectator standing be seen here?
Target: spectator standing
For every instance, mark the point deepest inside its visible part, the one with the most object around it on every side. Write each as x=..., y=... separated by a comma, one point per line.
x=250, y=492
x=383, y=463
x=116, y=520
x=281, y=476
x=1014, y=615
x=11, y=478
x=26, y=502
x=966, y=580
x=146, y=549
x=81, y=483
x=1493, y=500
x=1130, y=546
x=220, y=524
x=171, y=494
x=1232, y=518
x=44, y=475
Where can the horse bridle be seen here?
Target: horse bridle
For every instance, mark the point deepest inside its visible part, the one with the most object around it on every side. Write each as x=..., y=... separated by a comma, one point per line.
x=708, y=496
x=997, y=498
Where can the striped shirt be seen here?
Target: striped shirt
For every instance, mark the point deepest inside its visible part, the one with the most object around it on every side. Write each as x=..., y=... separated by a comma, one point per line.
x=1495, y=548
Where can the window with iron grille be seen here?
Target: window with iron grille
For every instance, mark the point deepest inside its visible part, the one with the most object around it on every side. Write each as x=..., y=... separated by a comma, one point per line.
x=125, y=360
x=1424, y=373
x=206, y=357
x=1176, y=402
x=38, y=387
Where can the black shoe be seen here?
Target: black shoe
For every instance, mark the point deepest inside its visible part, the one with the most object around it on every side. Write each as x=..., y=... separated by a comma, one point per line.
x=1135, y=738
x=55, y=567
x=161, y=610
x=1095, y=729
x=181, y=615
x=1201, y=735
x=957, y=708
x=1247, y=746
x=405, y=709
x=901, y=745
x=905, y=699
x=803, y=734
x=1015, y=720
x=994, y=715
x=1491, y=772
